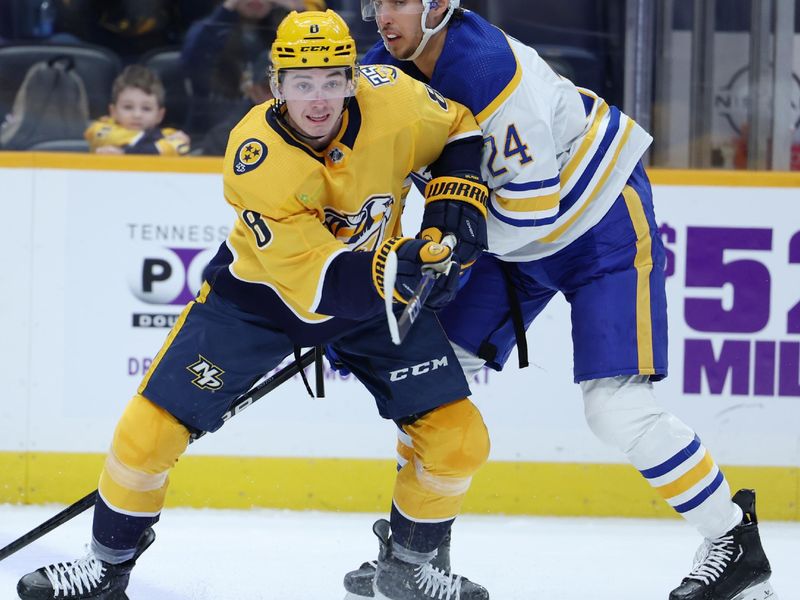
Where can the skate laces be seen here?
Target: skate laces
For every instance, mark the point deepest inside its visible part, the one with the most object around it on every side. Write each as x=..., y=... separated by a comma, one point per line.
x=711, y=559
x=435, y=583
x=77, y=576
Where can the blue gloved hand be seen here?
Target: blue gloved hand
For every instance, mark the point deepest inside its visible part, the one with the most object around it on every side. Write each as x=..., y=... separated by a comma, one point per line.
x=335, y=361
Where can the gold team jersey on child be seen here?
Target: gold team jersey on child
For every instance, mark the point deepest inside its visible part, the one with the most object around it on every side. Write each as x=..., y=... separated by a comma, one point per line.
x=107, y=132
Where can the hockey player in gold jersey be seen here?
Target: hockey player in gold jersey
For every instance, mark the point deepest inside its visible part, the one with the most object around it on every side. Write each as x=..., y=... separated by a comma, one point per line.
x=316, y=180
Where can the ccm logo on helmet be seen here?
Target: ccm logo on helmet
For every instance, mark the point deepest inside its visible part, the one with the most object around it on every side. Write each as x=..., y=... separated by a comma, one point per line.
x=417, y=370
x=315, y=48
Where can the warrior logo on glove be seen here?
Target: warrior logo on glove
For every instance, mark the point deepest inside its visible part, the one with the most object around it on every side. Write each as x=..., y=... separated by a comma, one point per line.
x=457, y=206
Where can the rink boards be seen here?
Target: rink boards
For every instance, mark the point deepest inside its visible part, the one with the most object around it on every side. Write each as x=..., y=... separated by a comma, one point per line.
x=101, y=253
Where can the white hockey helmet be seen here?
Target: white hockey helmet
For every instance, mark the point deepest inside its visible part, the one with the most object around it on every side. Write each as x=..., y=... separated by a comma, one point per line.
x=371, y=8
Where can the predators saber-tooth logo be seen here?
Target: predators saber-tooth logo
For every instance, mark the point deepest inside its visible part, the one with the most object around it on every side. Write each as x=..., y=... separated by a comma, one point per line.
x=362, y=230
x=207, y=374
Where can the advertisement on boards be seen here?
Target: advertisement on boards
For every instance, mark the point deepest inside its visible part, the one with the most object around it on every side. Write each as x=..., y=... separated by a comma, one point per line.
x=116, y=255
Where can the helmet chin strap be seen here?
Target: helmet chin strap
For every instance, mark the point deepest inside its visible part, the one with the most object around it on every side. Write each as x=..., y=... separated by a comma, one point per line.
x=427, y=33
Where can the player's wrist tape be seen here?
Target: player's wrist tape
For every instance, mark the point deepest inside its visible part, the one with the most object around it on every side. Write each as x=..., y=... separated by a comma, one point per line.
x=458, y=189
x=379, y=265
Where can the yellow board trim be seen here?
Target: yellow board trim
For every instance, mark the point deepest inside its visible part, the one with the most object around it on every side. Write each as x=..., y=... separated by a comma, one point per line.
x=776, y=179
x=213, y=165
x=98, y=162
x=354, y=485
x=643, y=262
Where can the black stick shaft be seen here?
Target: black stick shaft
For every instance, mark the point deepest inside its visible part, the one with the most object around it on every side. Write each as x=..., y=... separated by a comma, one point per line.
x=242, y=402
x=72, y=511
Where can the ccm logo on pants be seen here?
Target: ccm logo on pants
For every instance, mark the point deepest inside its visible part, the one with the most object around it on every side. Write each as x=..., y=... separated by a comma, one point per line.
x=417, y=370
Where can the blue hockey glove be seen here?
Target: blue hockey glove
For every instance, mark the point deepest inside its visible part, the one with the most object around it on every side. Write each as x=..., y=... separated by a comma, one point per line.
x=414, y=258
x=335, y=361
x=456, y=206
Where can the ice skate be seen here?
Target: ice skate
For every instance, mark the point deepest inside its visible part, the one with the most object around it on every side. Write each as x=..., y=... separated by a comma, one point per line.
x=87, y=578
x=732, y=567
x=396, y=579
x=358, y=583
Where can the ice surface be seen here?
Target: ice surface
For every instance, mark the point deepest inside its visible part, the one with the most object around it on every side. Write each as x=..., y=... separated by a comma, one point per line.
x=281, y=555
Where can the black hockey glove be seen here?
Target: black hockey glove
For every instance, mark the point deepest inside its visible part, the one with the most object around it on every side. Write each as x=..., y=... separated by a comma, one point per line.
x=414, y=258
x=457, y=206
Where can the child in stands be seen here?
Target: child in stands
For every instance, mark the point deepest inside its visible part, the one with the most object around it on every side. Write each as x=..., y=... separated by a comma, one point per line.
x=136, y=112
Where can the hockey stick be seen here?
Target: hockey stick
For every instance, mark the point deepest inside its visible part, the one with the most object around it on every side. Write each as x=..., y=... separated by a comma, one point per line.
x=399, y=328
x=242, y=402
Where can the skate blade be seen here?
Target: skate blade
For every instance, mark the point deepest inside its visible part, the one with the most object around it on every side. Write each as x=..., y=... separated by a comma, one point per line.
x=760, y=591
x=352, y=596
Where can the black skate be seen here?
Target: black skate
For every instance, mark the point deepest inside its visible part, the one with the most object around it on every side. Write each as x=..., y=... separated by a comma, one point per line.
x=87, y=578
x=396, y=579
x=732, y=567
x=358, y=583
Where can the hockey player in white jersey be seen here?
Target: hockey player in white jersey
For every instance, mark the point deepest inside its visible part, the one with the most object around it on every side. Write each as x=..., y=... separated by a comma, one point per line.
x=571, y=211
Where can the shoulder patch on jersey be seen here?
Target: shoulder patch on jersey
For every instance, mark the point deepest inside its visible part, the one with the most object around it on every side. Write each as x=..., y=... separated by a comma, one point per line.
x=379, y=75
x=437, y=97
x=250, y=154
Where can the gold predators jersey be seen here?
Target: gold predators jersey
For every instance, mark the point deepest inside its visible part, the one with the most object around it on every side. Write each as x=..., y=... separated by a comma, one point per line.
x=308, y=222
x=107, y=132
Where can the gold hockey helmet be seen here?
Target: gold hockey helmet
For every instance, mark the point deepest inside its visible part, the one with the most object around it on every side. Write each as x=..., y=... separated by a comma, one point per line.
x=313, y=39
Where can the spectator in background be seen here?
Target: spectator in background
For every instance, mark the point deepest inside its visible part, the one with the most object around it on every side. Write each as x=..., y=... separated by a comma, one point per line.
x=32, y=21
x=136, y=112
x=256, y=91
x=219, y=50
x=50, y=104
x=6, y=23
x=300, y=5
x=127, y=27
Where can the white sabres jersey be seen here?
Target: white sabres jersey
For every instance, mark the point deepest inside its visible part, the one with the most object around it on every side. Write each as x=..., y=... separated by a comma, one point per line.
x=556, y=157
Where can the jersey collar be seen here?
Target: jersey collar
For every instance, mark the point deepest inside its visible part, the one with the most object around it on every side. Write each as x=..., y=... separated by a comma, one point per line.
x=348, y=131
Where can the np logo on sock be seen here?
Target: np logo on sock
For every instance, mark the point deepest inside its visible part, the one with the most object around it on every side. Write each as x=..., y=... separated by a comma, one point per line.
x=208, y=375
x=250, y=154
